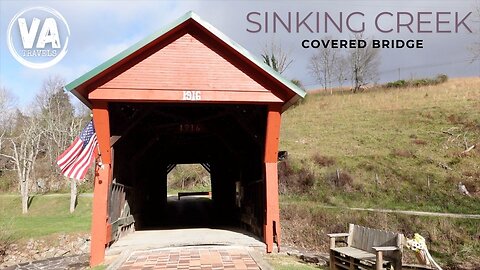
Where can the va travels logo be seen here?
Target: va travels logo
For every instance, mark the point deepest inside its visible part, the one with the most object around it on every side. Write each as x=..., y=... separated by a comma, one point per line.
x=37, y=37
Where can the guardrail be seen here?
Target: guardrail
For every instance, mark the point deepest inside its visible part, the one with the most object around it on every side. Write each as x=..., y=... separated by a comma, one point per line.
x=119, y=216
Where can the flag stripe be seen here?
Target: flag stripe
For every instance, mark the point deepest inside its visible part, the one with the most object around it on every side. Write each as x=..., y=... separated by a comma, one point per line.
x=83, y=159
x=72, y=153
x=83, y=170
x=66, y=153
x=71, y=171
x=75, y=161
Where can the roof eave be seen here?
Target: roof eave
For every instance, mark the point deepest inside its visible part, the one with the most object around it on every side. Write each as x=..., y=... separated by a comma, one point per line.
x=291, y=102
x=79, y=96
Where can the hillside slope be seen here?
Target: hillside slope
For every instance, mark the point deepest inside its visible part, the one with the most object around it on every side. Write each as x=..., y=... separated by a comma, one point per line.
x=397, y=148
x=392, y=149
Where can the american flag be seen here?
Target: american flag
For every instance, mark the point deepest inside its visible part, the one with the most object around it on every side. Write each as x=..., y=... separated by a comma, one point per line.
x=76, y=160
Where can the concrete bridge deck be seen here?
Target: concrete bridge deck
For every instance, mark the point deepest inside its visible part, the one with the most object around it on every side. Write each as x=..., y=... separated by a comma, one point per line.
x=189, y=248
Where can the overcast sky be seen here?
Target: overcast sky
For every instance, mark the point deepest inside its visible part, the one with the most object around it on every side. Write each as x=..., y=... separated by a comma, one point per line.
x=101, y=29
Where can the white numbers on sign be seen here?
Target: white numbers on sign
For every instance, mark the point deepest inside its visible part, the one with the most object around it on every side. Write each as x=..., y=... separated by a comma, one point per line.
x=192, y=95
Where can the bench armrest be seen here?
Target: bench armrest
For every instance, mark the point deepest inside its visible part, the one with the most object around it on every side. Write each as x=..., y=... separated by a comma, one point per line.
x=379, y=255
x=386, y=248
x=336, y=235
x=333, y=237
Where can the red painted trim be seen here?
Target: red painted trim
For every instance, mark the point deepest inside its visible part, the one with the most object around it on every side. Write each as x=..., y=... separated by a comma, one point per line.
x=272, y=217
x=159, y=95
x=102, y=181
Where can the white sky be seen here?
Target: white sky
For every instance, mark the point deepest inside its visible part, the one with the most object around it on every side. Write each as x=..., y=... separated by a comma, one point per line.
x=101, y=29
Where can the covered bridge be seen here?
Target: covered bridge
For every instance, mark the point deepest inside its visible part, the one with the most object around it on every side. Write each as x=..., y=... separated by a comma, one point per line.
x=186, y=94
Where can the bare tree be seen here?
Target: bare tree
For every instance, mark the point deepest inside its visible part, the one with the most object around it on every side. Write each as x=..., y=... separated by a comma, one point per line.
x=7, y=108
x=276, y=57
x=39, y=136
x=57, y=117
x=364, y=64
x=22, y=146
x=20, y=142
x=341, y=70
x=323, y=66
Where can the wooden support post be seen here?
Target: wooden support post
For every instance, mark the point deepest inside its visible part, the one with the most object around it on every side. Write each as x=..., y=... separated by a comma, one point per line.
x=332, y=242
x=332, y=260
x=351, y=227
x=102, y=181
x=272, y=217
x=379, y=261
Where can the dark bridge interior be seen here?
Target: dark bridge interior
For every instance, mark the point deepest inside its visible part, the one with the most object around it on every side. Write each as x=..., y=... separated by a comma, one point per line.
x=149, y=139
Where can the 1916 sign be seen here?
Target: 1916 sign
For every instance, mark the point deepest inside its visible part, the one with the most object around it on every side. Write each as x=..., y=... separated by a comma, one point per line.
x=191, y=95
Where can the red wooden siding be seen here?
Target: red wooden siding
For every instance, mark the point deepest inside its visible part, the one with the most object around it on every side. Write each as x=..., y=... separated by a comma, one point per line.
x=186, y=64
x=147, y=95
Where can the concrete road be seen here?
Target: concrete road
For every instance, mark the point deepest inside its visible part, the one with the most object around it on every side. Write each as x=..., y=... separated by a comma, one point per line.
x=190, y=221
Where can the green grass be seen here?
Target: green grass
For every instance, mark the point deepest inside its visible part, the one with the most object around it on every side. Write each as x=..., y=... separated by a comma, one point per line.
x=188, y=178
x=47, y=215
x=395, y=135
x=99, y=267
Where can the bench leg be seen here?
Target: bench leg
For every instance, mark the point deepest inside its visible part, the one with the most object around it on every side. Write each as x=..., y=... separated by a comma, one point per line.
x=398, y=261
x=332, y=260
x=352, y=263
x=379, y=261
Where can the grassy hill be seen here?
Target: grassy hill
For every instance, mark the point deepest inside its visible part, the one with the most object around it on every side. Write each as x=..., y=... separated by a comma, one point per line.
x=385, y=148
x=401, y=147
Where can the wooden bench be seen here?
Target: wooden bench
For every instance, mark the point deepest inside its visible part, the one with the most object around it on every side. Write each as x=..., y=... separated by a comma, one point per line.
x=366, y=248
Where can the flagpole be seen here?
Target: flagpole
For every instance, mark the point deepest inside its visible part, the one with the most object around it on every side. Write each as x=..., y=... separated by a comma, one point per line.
x=100, y=163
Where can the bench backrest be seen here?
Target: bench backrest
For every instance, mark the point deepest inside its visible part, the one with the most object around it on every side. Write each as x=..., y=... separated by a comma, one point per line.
x=365, y=238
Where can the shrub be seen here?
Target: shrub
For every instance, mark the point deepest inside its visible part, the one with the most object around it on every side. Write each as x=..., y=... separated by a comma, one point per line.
x=323, y=161
x=7, y=181
x=441, y=78
x=188, y=176
x=397, y=84
x=294, y=182
x=6, y=240
x=421, y=82
x=341, y=179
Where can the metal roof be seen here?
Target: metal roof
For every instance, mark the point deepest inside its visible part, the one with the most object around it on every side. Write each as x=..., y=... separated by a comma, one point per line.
x=72, y=86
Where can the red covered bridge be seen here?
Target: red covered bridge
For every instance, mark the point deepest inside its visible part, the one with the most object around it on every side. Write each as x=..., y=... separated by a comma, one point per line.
x=186, y=94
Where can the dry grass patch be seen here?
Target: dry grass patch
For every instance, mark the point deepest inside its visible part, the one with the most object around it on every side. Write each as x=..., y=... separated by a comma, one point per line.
x=323, y=161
